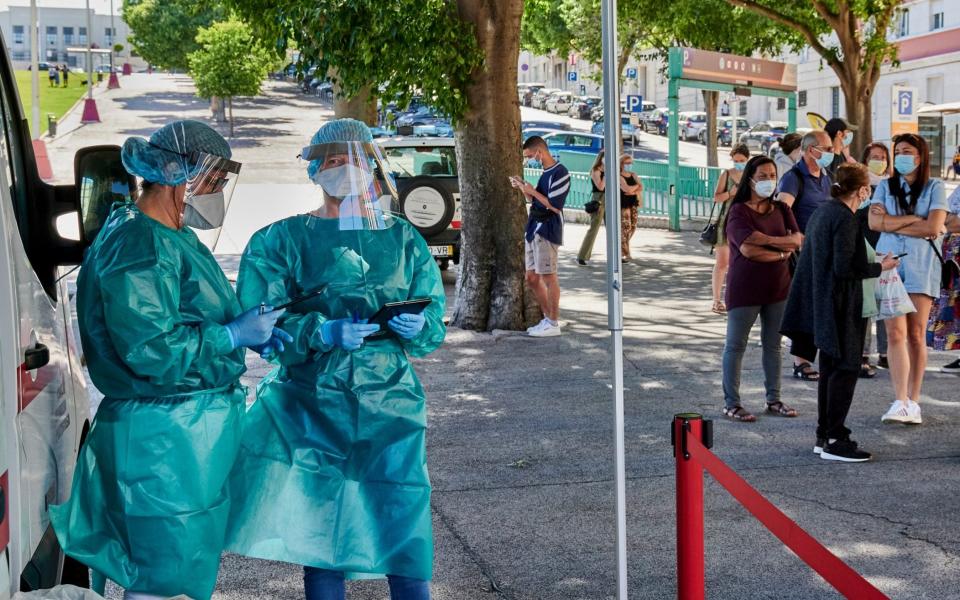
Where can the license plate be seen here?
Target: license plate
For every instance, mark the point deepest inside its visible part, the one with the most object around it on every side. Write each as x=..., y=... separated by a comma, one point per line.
x=441, y=251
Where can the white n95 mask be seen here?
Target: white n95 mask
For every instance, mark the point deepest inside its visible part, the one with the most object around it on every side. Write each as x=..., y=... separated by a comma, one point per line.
x=206, y=211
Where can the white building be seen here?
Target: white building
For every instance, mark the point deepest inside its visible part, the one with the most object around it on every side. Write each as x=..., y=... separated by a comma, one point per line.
x=927, y=33
x=61, y=28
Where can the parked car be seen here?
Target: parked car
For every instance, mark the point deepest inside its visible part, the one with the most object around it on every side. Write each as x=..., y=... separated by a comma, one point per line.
x=775, y=147
x=691, y=122
x=428, y=187
x=656, y=121
x=724, y=131
x=763, y=135
x=559, y=102
x=573, y=142
x=541, y=131
x=645, y=110
x=539, y=100
x=45, y=412
x=545, y=125
x=628, y=132
x=527, y=98
x=425, y=115
x=41, y=66
x=583, y=106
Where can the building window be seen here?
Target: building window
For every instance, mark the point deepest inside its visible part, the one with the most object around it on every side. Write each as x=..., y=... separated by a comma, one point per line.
x=903, y=22
x=936, y=21
x=834, y=102
x=82, y=35
x=51, y=36
x=108, y=36
x=781, y=103
x=802, y=98
x=18, y=34
x=68, y=35
x=743, y=108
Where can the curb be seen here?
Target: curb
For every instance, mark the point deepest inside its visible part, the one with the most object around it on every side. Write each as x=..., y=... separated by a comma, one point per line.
x=581, y=217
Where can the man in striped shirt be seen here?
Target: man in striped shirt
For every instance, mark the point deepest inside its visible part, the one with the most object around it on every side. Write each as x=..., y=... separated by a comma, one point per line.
x=544, y=232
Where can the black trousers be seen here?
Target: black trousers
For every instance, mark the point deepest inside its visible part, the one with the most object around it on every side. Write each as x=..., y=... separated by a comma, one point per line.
x=834, y=395
x=804, y=348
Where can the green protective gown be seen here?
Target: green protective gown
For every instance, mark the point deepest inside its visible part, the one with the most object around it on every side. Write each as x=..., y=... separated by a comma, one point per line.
x=332, y=470
x=149, y=505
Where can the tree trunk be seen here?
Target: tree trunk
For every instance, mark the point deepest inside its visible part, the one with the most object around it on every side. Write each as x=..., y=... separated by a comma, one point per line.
x=362, y=107
x=217, y=108
x=859, y=104
x=230, y=104
x=711, y=99
x=491, y=293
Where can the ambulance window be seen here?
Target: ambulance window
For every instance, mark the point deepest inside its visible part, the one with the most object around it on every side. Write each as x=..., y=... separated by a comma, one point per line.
x=11, y=151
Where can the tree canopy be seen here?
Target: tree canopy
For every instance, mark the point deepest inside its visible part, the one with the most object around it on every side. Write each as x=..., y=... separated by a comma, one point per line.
x=230, y=61
x=164, y=32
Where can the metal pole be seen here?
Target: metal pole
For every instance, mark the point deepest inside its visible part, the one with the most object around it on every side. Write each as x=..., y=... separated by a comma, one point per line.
x=89, y=53
x=34, y=69
x=113, y=36
x=690, y=554
x=673, y=141
x=612, y=144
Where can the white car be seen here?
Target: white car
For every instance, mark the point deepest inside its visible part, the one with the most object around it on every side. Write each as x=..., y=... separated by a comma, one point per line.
x=559, y=102
x=691, y=122
x=540, y=98
x=44, y=407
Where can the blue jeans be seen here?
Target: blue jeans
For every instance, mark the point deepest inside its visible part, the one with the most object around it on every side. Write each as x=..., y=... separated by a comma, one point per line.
x=322, y=584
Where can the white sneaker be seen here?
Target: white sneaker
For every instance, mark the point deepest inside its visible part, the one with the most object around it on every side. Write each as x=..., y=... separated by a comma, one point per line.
x=547, y=330
x=898, y=413
x=913, y=412
x=539, y=325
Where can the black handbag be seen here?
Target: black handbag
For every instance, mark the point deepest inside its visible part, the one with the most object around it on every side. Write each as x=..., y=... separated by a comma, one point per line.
x=708, y=237
x=591, y=207
x=949, y=269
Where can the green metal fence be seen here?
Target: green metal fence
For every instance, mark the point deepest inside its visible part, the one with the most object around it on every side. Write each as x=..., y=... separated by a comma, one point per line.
x=696, y=185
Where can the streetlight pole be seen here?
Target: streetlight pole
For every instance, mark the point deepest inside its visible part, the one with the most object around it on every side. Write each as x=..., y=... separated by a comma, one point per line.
x=90, y=112
x=34, y=69
x=114, y=81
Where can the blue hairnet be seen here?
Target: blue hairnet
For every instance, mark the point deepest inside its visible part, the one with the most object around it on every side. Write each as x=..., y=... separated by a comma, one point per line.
x=340, y=130
x=164, y=158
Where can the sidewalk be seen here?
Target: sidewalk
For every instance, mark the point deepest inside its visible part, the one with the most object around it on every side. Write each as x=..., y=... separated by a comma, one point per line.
x=520, y=451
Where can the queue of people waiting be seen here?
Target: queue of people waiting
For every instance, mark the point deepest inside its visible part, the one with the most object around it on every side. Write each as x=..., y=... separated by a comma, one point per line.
x=819, y=244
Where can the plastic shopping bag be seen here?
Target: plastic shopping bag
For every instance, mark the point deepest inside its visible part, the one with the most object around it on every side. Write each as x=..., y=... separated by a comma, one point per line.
x=61, y=592
x=892, y=296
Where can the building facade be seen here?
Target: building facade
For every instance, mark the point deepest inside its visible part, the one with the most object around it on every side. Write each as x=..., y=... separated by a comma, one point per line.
x=927, y=33
x=63, y=28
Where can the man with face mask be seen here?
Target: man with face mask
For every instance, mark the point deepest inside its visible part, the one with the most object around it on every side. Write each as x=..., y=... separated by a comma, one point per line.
x=164, y=338
x=841, y=136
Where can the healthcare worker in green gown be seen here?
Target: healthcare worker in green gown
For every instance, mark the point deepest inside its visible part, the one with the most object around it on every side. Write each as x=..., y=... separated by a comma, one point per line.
x=332, y=472
x=164, y=337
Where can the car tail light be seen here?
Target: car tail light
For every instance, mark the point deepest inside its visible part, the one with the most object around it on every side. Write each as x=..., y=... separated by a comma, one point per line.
x=455, y=224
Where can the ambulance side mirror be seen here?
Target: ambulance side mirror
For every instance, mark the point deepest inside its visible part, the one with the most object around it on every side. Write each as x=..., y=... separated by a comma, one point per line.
x=101, y=181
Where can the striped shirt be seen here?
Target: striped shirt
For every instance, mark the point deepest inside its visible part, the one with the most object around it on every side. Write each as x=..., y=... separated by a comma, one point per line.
x=555, y=185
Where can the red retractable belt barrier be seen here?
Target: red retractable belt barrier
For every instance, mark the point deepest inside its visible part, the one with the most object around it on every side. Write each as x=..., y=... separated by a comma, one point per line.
x=693, y=457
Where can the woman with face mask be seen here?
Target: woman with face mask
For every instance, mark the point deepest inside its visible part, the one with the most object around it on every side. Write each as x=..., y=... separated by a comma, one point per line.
x=789, y=153
x=164, y=338
x=727, y=186
x=332, y=472
x=910, y=210
x=761, y=234
x=876, y=157
x=828, y=302
x=631, y=198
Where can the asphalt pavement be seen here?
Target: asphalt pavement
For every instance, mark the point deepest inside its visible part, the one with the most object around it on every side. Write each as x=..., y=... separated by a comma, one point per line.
x=520, y=432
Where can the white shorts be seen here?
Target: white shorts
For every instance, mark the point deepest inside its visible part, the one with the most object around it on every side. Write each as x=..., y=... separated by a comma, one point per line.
x=541, y=255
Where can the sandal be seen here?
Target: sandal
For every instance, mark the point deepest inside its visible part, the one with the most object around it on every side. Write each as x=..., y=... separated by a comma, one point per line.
x=781, y=409
x=738, y=413
x=805, y=372
x=866, y=370
x=719, y=307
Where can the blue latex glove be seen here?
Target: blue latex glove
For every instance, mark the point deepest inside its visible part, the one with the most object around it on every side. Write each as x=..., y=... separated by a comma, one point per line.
x=251, y=328
x=346, y=333
x=408, y=325
x=274, y=345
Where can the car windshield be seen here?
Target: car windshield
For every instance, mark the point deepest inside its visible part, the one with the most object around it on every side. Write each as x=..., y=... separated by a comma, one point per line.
x=415, y=161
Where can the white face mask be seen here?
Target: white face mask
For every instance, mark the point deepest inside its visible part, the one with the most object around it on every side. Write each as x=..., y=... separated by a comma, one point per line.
x=343, y=181
x=795, y=155
x=205, y=211
x=765, y=188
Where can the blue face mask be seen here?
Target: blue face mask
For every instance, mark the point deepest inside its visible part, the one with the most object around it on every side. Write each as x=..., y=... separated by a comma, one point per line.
x=739, y=166
x=825, y=159
x=904, y=164
x=848, y=139
x=533, y=163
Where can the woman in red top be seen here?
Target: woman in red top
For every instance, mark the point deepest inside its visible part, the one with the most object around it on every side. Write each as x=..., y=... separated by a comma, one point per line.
x=761, y=235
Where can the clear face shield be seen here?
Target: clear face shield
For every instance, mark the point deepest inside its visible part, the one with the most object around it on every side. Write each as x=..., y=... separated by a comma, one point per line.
x=209, y=189
x=357, y=188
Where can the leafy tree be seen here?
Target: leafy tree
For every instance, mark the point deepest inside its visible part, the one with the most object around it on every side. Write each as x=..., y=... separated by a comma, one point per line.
x=856, y=50
x=164, y=32
x=230, y=62
x=462, y=57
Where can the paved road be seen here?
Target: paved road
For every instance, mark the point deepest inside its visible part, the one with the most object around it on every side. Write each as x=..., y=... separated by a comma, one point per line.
x=520, y=448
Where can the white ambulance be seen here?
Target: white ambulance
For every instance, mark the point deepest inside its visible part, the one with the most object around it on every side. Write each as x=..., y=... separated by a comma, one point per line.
x=44, y=411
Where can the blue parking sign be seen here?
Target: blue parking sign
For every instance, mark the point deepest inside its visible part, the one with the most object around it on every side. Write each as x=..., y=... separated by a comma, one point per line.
x=905, y=102
x=572, y=76
x=631, y=73
x=634, y=103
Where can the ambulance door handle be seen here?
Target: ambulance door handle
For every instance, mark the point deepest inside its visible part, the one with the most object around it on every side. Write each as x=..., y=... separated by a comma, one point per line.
x=36, y=357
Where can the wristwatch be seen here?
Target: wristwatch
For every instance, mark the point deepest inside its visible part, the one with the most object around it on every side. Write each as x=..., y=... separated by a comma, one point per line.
x=781, y=255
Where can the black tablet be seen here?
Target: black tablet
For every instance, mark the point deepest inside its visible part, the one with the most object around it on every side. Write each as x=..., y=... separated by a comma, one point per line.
x=392, y=309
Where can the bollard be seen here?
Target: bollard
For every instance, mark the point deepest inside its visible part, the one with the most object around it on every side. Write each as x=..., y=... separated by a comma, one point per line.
x=52, y=125
x=690, y=557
